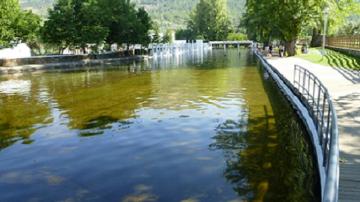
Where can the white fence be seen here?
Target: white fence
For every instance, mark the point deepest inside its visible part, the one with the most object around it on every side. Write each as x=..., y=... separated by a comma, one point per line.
x=165, y=50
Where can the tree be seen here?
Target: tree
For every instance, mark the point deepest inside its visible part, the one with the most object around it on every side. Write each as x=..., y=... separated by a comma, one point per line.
x=119, y=17
x=292, y=18
x=167, y=37
x=74, y=23
x=260, y=21
x=60, y=28
x=142, y=27
x=28, y=27
x=16, y=25
x=80, y=23
x=155, y=33
x=89, y=25
x=339, y=14
x=185, y=34
x=236, y=37
x=209, y=20
x=272, y=19
x=9, y=10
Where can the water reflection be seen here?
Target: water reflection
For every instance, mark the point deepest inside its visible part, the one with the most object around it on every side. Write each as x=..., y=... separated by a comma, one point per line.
x=99, y=98
x=21, y=111
x=125, y=134
x=257, y=150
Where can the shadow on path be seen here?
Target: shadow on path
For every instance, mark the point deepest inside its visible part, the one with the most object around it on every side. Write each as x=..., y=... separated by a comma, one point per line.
x=338, y=64
x=348, y=108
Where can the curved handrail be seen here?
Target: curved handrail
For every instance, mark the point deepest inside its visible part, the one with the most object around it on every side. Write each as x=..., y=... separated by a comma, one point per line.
x=319, y=104
x=324, y=134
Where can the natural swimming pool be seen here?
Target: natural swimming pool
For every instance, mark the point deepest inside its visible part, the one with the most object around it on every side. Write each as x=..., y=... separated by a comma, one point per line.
x=192, y=128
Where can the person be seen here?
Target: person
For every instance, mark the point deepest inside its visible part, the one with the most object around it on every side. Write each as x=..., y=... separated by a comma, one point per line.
x=266, y=50
x=304, y=49
x=281, y=51
x=270, y=49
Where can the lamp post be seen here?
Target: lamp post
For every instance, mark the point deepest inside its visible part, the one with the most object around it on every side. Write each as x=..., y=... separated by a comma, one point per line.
x=326, y=15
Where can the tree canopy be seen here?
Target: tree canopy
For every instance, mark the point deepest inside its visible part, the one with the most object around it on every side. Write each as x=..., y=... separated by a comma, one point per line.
x=287, y=20
x=17, y=25
x=77, y=23
x=272, y=19
x=210, y=20
x=168, y=14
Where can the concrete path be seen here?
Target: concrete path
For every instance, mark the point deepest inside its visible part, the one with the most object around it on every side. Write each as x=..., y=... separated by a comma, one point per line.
x=344, y=87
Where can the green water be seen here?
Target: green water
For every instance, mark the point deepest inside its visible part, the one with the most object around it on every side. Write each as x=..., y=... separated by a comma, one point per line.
x=196, y=128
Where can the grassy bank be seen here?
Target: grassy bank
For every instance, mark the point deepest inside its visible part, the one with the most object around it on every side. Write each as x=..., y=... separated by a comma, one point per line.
x=331, y=58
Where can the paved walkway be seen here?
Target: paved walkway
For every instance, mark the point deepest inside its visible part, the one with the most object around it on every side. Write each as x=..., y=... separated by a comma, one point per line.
x=344, y=87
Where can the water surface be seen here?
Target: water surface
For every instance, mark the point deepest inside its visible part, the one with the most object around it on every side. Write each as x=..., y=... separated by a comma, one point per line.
x=196, y=128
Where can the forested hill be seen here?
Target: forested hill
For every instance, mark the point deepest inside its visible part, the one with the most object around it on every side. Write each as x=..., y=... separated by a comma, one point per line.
x=167, y=13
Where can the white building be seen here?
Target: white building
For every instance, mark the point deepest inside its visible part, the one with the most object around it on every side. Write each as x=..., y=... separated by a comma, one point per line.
x=19, y=51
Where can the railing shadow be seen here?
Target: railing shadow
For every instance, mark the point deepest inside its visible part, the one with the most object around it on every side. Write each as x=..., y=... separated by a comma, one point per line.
x=337, y=63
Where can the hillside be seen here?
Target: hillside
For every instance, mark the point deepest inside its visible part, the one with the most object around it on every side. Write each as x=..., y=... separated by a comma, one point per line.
x=167, y=13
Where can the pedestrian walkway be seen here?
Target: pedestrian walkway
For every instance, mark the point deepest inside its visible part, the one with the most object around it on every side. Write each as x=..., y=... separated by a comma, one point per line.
x=344, y=87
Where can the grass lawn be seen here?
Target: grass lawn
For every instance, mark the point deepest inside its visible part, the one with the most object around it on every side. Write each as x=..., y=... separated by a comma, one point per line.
x=331, y=58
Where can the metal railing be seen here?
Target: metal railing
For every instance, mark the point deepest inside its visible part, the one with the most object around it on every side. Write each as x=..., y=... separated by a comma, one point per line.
x=317, y=100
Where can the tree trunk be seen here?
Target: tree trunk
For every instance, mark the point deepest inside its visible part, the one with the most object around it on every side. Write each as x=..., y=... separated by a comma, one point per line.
x=316, y=39
x=127, y=49
x=290, y=47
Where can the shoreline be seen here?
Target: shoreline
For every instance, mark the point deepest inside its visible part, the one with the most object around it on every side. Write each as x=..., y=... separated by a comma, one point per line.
x=287, y=88
x=344, y=88
x=70, y=65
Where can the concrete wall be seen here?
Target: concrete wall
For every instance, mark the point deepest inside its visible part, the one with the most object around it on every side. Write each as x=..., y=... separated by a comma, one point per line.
x=57, y=59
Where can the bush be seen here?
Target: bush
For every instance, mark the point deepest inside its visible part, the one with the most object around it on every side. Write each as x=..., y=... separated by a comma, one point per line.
x=237, y=37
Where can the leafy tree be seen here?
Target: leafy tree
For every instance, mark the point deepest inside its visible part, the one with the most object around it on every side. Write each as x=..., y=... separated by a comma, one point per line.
x=293, y=16
x=9, y=10
x=79, y=23
x=221, y=19
x=167, y=13
x=119, y=16
x=236, y=37
x=155, y=35
x=349, y=29
x=166, y=37
x=60, y=28
x=126, y=23
x=142, y=27
x=339, y=13
x=272, y=19
x=28, y=27
x=210, y=20
x=260, y=21
x=74, y=23
x=89, y=25
x=17, y=25
x=185, y=34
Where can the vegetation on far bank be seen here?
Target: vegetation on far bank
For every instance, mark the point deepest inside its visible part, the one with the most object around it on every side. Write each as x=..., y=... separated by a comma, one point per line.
x=17, y=25
x=77, y=24
x=98, y=24
x=288, y=21
x=168, y=14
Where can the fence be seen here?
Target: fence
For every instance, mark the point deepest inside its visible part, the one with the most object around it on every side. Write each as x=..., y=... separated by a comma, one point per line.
x=160, y=50
x=317, y=100
x=350, y=42
x=311, y=99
